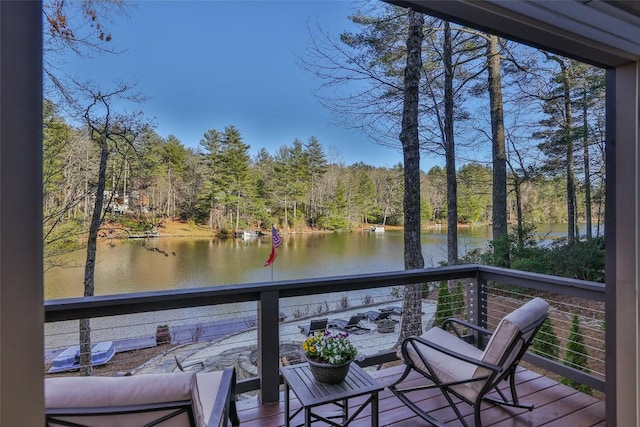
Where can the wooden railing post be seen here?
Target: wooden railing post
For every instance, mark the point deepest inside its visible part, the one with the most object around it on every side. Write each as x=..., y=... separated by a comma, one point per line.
x=268, y=346
x=478, y=304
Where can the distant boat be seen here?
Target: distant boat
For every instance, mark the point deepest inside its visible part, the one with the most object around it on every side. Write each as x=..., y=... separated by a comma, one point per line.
x=246, y=235
x=145, y=235
x=378, y=229
x=69, y=359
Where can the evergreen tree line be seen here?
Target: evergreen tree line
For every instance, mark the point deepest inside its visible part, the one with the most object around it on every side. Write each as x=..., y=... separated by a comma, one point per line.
x=221, y=185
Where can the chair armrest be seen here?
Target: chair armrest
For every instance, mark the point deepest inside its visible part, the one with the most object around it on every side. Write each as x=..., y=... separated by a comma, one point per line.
x=453, y=320
x=224, y=405
x=448, y=352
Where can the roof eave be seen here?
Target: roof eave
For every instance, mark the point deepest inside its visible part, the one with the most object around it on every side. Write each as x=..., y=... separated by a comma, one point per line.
x=587, y=42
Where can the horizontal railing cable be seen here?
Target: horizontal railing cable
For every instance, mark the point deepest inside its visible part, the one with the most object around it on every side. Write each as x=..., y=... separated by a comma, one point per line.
x=255, y=314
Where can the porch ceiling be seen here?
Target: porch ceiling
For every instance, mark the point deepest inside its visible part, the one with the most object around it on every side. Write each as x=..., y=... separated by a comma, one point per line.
x=603, y=32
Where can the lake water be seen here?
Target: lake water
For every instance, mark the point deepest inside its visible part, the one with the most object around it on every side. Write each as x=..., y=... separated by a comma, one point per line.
x=174, y=263
x=171, y=263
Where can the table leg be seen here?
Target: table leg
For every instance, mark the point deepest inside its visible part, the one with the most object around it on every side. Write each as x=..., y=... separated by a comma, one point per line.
x=307, y=417
x=345, y=411
x=374, y=410
x=286, y=405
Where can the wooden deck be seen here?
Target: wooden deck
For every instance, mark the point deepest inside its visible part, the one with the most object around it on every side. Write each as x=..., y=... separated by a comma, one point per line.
x=556, y=405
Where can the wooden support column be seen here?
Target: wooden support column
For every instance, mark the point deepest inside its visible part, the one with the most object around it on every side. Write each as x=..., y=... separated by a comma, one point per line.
x=622, y=231
x=21, y=294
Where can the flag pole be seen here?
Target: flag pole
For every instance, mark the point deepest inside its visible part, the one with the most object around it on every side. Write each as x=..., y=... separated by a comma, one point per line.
x=275, y=242
x=273, y=245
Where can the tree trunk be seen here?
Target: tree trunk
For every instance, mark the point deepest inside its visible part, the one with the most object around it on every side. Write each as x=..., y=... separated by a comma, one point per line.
x=211, y=207
x=238, y=213
x=450, y=152
x=498, y=143
x=286, y=219
x=412, y=317
x=86, y=186
x=571, y=179
x=587, y=169
x=89, y=269
x=168, y=205
x=518, y=190
x=601, y=201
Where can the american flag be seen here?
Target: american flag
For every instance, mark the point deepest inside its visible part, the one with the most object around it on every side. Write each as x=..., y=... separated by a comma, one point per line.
x=275, y=242
x=275, y=237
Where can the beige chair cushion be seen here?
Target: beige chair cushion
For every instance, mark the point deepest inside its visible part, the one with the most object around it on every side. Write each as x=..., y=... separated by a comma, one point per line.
x=508, y=328
x=449, y=369
x=101, y=392
x=518, y=320
x=446, y=367
x=209, y=383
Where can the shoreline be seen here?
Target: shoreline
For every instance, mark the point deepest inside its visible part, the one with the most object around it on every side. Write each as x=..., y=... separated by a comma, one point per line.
x=176, y=228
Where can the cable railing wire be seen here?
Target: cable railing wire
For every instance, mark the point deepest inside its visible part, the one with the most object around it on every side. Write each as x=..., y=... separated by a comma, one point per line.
x=349, y=294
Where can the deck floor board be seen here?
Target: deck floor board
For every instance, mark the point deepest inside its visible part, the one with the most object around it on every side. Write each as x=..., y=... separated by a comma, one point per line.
x=555, y=405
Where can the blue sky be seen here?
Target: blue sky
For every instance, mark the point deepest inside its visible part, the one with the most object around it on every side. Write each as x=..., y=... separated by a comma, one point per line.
x=210, y=64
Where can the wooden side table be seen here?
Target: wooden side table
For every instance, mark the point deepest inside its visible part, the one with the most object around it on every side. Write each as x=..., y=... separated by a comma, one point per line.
x=312, y=393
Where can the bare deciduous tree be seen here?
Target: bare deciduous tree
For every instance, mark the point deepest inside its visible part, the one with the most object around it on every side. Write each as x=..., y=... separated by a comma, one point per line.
x=113, y=129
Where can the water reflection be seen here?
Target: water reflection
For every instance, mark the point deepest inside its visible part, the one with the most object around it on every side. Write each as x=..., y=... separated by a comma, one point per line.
x=173, y=263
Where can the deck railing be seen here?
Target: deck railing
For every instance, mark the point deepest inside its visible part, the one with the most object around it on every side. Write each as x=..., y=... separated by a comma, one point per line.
x=484, y=286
